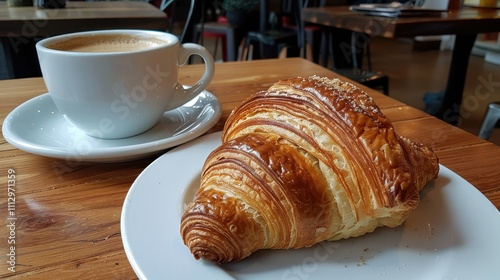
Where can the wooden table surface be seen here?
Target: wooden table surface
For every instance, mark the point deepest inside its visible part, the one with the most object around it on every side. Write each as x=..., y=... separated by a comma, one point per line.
x=68, y=213
x=464, y=23
x=467, y=20
x=79, y=16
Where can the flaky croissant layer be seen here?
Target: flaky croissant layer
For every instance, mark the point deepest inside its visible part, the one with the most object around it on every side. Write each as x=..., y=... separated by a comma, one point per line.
x=308, y=160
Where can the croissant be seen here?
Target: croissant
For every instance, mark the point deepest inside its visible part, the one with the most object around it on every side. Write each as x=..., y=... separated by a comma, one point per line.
x=308, y=160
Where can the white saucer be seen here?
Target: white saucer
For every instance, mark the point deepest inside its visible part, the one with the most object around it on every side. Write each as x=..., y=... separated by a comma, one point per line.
x=38, y=127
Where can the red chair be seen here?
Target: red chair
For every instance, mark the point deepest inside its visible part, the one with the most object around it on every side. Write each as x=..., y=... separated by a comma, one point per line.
x=223, y=31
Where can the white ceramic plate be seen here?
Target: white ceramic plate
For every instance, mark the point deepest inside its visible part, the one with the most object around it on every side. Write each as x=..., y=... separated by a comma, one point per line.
x=453, y=234
x=38, y=127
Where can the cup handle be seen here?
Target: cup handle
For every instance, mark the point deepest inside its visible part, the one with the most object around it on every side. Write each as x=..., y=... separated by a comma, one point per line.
x=183, y=95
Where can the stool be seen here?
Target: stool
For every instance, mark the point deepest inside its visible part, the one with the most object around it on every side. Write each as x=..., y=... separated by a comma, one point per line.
x=220, y=30
x=491, y=120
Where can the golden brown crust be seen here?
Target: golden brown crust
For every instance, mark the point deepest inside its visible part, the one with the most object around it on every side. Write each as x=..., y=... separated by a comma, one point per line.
x=308, y=160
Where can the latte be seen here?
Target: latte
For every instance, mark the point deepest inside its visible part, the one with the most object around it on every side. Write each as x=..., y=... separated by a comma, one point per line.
x=107, y=43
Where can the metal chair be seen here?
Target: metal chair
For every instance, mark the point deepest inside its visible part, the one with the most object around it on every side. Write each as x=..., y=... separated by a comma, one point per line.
x=282, y=27
x=491, y=120
x=272, y=36
x=313, y=34
x=347, y=49
x=172, y=8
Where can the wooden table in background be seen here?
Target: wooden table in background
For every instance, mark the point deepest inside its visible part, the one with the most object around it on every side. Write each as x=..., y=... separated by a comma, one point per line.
x=79, y=16
x=68, y=213
x=19, y=26
x=465, y=23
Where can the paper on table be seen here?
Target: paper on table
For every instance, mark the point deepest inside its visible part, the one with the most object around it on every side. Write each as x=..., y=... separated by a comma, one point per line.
x=395, y=9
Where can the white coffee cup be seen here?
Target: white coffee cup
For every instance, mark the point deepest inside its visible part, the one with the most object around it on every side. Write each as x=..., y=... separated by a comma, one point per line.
x=118, y=83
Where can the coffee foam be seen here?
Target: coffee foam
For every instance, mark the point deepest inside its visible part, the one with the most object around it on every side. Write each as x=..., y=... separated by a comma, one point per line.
x=107, y=43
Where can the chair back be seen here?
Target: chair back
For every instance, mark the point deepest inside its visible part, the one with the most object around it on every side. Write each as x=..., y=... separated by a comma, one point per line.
x=272, y=15
x=173, y=9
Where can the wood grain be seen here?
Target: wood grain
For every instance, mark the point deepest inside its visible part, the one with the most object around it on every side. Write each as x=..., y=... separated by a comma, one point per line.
x=78, y=16
x=464, y=21
x=69, y=212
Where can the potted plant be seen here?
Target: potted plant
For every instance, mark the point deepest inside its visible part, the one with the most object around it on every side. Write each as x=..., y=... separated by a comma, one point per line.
x=237, y=10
